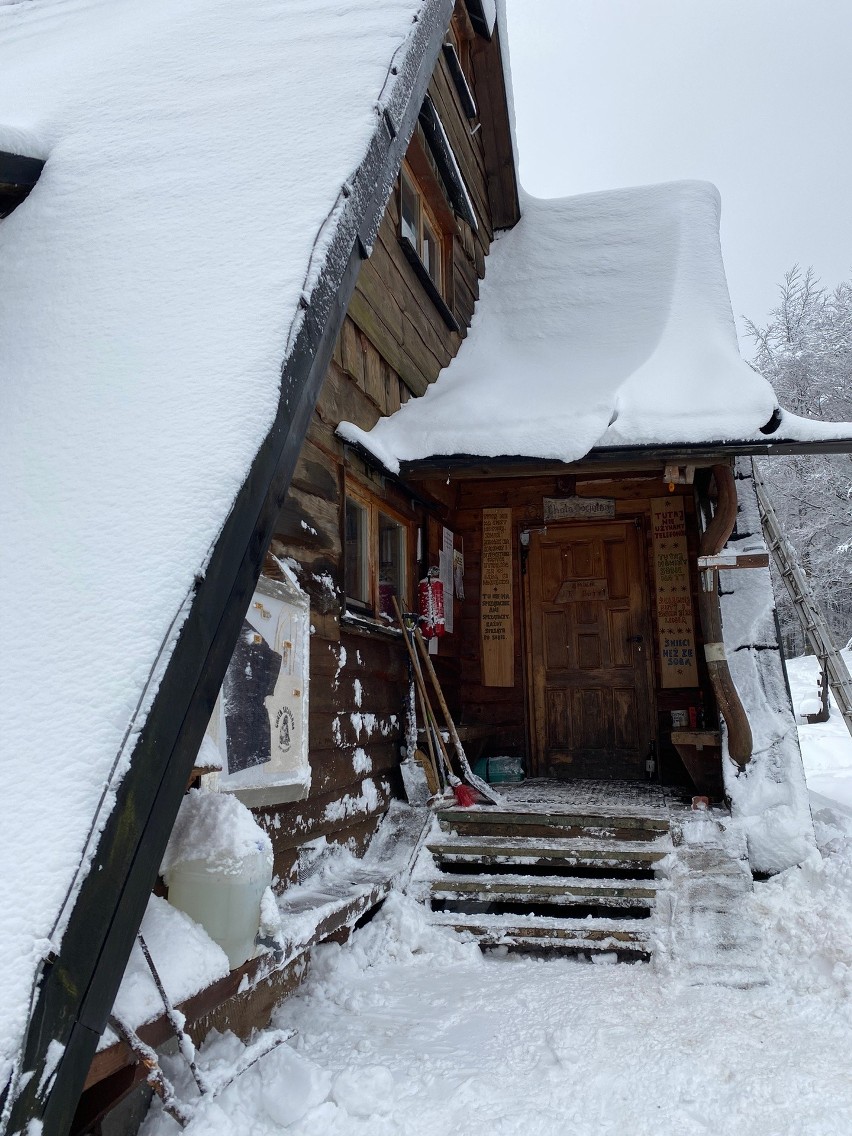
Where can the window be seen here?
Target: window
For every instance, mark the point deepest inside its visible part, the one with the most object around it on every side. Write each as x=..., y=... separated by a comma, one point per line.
x=357, y=543
x=420, y=229
x=391, y=562
x=457, y=56
x=18, y=175
x=376, y=552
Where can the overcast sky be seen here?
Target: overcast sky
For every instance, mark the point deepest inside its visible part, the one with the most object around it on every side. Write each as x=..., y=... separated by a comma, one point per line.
x=753, y=95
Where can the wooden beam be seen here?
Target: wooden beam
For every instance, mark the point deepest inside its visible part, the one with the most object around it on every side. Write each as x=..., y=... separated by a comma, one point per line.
x=727, y=560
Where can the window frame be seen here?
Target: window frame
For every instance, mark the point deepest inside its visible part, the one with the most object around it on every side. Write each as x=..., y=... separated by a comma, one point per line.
x=375, y=507
x=425, y=217
x=457, y=53
x=438, y=291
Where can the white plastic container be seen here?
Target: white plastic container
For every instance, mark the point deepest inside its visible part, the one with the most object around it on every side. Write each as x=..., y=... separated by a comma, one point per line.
x=217, y=865
x=226, y=904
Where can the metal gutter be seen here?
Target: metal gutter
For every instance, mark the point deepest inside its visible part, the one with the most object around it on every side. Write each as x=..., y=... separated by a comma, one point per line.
x=78, y=985
x=705, y=452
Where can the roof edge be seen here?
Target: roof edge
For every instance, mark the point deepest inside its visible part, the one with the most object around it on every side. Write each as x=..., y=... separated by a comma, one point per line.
x=702, y=451
x=77, y=986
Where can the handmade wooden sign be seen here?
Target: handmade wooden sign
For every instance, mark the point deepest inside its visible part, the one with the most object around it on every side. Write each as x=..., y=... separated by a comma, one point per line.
x=585, y=508
x=674, y=602
x=573, y=591
x=496, y=619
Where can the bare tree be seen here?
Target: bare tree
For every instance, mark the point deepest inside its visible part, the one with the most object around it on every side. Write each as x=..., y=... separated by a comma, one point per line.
x=805, y=350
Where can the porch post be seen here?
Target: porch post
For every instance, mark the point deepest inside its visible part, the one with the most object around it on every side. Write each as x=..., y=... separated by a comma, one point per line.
x=713, y=540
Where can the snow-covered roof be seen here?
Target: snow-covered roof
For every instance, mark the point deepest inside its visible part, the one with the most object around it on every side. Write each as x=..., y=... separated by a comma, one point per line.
x=151, y=286
x=604, y=320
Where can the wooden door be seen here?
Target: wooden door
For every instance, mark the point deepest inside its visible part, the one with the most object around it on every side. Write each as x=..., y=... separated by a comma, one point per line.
x=591, y=650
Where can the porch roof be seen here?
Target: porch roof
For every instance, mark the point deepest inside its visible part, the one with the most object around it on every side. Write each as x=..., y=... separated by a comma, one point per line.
x=604, y=323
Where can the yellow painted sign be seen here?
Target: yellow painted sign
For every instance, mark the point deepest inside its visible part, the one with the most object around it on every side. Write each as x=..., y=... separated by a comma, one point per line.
x=496, y=618
x=674, y=601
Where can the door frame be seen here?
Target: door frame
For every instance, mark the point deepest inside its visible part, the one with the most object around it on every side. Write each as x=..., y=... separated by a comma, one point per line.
x=534, y=736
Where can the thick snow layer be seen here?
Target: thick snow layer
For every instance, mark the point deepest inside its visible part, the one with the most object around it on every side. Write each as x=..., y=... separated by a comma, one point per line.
x=408, y=1030
x=826, y=746
x=217, y=829
x=769, y=797
x=603, y=320
x=186, y=959
x=150, y=283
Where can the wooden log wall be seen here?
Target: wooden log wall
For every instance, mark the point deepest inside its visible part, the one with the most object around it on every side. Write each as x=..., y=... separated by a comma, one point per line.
x=460, y=654
x=394, y=342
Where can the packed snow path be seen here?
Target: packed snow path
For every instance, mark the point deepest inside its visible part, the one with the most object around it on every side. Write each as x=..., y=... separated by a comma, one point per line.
x=407, y=1031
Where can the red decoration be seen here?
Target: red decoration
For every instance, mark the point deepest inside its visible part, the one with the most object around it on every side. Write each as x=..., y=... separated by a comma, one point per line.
x=430, y=594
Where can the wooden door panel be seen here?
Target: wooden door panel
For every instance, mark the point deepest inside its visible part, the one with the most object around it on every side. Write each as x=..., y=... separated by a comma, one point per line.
x=619, y=637
x=624, y=718
x=589, y=653
x=582, y=557
x=590, y=719
x=555, y=639
x=589, y=634
x=617, y=574
x=559, y=719
x=586, y=613
x=551, y=574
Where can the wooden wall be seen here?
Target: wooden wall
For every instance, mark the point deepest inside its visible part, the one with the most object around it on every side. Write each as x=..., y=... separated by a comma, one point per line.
x=460, y=654
x=393, y=344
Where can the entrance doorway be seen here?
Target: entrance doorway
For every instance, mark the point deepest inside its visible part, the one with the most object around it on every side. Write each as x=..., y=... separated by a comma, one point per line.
x=591, y=654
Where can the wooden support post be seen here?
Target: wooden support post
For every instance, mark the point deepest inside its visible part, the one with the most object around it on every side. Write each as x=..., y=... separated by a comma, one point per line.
x=713, y=540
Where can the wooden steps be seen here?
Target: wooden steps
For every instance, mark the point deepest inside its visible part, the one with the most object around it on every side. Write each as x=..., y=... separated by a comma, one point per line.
x=530, y=822
x=565, y=935
x=549, y=879
x=571, y=853
x=575, y=890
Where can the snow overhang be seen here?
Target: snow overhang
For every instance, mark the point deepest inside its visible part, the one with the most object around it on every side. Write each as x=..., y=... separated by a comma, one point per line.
x=603, y=325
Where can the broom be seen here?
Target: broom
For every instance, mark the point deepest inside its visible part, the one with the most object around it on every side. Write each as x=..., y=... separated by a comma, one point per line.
x=465, y=797
x=482, y=786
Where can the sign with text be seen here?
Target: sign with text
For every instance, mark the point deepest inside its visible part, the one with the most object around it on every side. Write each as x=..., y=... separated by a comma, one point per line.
x=583, y=508
x=496, y=619
x=674, y=601
x=575, y=591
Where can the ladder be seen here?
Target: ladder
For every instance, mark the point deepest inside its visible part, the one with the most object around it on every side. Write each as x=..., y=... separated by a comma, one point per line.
x=805, y=604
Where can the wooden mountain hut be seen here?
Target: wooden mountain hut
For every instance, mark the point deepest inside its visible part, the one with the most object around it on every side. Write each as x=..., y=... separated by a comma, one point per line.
x=360, y=355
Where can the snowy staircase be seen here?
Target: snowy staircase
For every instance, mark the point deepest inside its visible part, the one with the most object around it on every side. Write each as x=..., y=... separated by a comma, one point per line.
x=539, y=879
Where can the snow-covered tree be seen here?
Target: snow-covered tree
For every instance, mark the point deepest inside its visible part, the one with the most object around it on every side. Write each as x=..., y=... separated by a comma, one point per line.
x=805, y=350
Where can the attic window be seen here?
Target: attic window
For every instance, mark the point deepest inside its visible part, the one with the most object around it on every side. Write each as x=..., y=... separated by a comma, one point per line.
x=18, y=175
x=424, y=241
x=457, y=57
x=419, y=228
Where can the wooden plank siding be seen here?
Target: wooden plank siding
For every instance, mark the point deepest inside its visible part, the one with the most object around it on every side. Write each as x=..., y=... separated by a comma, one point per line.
x=393, y=343
x=459, y=661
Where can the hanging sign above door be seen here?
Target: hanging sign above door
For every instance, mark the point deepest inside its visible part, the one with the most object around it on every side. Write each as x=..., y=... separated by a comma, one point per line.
x=584, y=508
